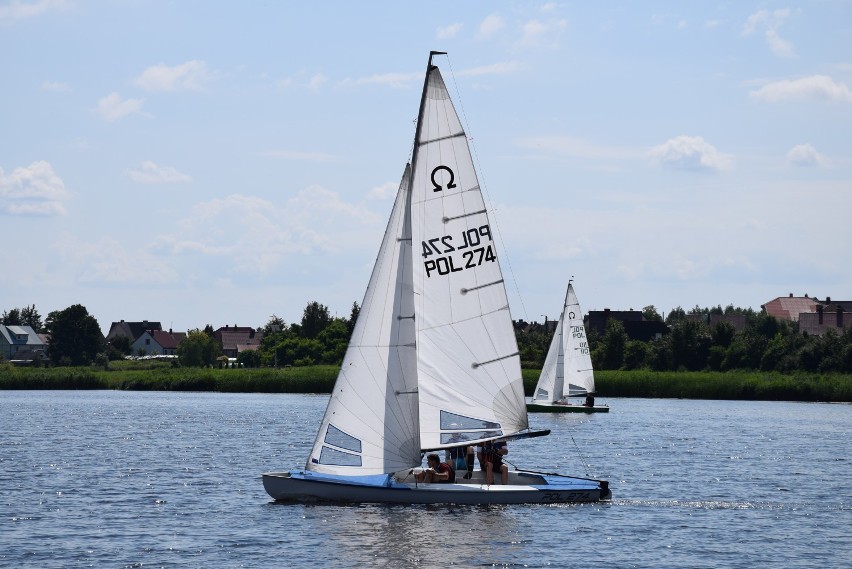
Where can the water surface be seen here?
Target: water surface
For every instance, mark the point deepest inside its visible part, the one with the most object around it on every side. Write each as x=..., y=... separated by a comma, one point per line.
x=131, y=479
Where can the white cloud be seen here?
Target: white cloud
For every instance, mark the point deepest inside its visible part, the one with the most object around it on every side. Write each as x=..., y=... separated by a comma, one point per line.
x=317, y=81
x=107, y=261
x=492, y=24
x=819, y=87
x=805, y=155
x=577, y=148
x=538, y=33
x=447, y=32
x=113, y=107
x=710, y=24
x=395, y=80
x=190, y=76
x=150, y=173
x=319, y=157
x=17, y=10
x=34, y=190
x=769, y=23
x=501, y=68
x=260, y=234
x=383, y=192
x=56, y=86
x=690, y=153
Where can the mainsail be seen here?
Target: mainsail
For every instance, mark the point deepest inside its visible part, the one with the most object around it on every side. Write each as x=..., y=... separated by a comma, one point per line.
x=468, y=367
x=567, y=370
x=371, y=423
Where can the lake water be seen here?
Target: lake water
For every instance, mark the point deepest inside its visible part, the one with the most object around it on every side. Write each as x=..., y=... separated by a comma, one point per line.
x=132, y=479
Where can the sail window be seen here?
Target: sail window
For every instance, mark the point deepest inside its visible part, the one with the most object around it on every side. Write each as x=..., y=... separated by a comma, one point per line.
x=542, y=394
x=338, y=438
x=336, y=457
x=454, y=422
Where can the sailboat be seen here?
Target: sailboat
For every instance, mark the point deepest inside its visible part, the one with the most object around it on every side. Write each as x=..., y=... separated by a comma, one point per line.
x=432, y=362
x=567, y=370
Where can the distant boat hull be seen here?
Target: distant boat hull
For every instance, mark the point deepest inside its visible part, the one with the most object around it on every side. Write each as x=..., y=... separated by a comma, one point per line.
x=523, y=488
x=565, y=408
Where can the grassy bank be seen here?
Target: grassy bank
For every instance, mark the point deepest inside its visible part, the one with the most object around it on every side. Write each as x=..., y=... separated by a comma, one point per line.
x=314, y=379
x=738, y=385
x=157, y=376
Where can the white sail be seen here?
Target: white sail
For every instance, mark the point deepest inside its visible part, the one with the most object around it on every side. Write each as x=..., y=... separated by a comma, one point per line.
x=468, y=368
x=567, y=370
x=371, y=423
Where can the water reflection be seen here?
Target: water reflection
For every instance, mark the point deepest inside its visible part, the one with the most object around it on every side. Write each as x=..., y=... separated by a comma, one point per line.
x=419, y=536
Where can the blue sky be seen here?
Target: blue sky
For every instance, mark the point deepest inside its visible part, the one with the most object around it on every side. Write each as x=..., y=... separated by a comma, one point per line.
x=216, y=163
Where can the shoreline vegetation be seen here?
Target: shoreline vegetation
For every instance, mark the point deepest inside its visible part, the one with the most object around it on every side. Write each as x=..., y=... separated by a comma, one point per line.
x=157, y=376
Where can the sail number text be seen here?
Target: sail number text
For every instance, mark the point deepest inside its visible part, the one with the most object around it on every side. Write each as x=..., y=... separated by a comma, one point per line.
x=450, y=254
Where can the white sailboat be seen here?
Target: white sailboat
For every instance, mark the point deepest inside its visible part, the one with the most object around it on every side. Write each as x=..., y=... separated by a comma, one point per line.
x=567, y=370
x=432, y=362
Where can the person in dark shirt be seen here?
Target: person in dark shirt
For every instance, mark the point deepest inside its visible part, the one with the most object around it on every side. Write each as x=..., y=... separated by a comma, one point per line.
x=438, y=471
x=491, y=460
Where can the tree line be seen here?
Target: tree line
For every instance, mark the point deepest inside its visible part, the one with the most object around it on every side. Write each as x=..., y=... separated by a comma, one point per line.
x=766, y=344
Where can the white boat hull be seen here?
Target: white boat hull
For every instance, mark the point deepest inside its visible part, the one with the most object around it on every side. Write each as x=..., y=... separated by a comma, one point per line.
x=533, y=407
x=523, y=488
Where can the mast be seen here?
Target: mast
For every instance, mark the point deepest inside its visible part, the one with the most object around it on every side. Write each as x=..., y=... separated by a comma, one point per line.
x=417, y=129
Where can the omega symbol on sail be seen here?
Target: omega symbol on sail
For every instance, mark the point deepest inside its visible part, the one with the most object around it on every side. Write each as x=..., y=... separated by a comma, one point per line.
x=438, y=186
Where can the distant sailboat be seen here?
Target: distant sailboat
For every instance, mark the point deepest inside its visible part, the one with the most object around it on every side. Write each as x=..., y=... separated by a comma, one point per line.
x=567, y=370
x=432, y=362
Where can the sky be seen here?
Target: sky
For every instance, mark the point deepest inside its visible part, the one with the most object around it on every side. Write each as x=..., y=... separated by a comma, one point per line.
x=204, y=162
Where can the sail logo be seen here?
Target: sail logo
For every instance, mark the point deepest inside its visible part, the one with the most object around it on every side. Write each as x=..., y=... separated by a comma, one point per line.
x=466, y=251
x=450, y=184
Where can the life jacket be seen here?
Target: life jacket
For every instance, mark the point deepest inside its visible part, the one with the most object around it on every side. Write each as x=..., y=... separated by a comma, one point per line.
x=451, y=470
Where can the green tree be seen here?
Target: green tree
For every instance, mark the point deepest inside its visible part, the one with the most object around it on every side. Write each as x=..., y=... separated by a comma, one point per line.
x=30, y=317
x=75, y=336
x=675, y=315
x=690, y=342
x=314, y=320
x=249, y=358
x=198, y=349
x=353, y=316
x=609, y=354
x=650, y=313
x=636, y=354
x=334, y=339
x=275, y=325
x=12, y=317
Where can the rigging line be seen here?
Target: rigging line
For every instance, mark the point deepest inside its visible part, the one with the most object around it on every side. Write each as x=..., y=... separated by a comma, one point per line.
x=585, y=464
x=484, y=187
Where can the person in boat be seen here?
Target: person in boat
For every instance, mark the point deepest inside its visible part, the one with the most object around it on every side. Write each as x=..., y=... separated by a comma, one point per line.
x=461, y=458
x=437, y=471
x=590, y=401
x=491, y=460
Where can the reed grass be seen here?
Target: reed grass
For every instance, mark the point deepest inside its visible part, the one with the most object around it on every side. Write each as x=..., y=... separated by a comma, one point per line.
x=156, y=376
x=736, y=385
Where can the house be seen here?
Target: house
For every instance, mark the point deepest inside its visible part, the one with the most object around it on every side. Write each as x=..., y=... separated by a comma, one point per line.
x=131, y=330
x=790, y=307
x=738, y=321
x=157, y=343
x=829, y=315
x=237, y=338
x=814, y=316
x=21, y=344
x=635, y=325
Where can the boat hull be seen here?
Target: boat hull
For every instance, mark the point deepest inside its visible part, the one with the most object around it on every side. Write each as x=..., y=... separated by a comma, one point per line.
x=523, y=488
x=553, y=408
